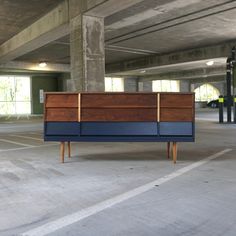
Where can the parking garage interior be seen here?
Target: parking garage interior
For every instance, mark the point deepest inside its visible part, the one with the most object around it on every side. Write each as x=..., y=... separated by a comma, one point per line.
x=118, y=188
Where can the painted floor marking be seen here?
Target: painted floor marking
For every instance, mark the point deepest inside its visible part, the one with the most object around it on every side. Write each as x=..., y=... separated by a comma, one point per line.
x=18, y=126
x=26, y=137
x=84, y=213
x=37, y=133
x=25, y=148
x=17, y=143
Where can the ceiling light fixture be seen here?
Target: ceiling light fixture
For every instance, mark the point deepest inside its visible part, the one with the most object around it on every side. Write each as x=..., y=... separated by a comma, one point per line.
x=210, y=63
x=143, y=71
x=42, y=64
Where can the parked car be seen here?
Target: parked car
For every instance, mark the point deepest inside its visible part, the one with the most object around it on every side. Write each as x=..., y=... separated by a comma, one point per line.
x=215, y=103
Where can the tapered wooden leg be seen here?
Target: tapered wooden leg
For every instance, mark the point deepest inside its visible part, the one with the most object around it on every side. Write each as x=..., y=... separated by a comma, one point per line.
x=69, y=150
x=62, y=151
x=174, y=152
x=168, y=150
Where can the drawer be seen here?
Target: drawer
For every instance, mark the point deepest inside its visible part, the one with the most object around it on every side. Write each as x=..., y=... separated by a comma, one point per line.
x=62, y=128
x=176, y=114
x=61, y=114
x=119, y=128
x=119, y=100
x=125, y=115
x=62, y=100
x=176, y=128
x=177, y=100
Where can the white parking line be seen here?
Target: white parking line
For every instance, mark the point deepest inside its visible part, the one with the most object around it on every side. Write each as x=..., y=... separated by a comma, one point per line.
x=17, y=143
x=26, y=148
x=84, y=213
x=17, y=126
x=37, y=133
x=26, y=137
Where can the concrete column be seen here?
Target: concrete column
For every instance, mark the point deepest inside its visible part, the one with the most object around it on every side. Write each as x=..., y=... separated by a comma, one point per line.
x=130, y=84
x=145, y=86
x=184, y=86
x=87, y=54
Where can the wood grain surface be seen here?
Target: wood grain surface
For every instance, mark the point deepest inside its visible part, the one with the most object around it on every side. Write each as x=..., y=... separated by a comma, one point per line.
x=176, y=100
x=61, y=114
x=176, y=114
x=61, y=100
x=119, y=114
x=126, y=100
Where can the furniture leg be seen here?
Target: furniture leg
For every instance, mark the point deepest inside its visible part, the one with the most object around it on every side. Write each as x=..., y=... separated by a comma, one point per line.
x=174, y=152
x=62, y=151
x=168, y=150
x=69, y=150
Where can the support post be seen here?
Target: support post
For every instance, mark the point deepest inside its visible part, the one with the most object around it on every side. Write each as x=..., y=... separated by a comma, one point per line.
x=168, y=150
x=62, y=151
x=69, y=150
x=174, y=152
x=221, y=109
x=228, y=82
x=235, y=109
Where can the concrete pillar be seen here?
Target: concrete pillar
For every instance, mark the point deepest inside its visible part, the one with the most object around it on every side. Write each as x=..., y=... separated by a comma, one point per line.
x=87, y=54
x=130, y=84
x=184, y=86
x=145, y=86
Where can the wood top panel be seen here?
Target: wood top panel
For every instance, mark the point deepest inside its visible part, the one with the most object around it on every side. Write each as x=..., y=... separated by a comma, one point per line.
x=61, y=100
x=118, y=100
x=97, y=114
x=177, y=100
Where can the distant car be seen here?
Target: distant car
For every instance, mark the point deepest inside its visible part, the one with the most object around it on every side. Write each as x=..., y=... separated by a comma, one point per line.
x=215, y=103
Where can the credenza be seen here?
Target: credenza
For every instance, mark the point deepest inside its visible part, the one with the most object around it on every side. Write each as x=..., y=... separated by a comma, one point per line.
x=119, y=117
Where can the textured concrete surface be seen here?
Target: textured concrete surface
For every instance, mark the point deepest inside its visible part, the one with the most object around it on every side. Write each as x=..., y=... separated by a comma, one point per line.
x=36, y=188
x=87, y=54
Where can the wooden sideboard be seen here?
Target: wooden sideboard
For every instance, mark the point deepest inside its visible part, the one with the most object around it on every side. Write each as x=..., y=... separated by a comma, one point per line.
x=119, y=117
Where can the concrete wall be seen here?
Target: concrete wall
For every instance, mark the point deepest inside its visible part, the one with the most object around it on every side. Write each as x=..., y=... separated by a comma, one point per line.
x=48, y=84
x=184, y=86
x=130, y=84
x=62, y=81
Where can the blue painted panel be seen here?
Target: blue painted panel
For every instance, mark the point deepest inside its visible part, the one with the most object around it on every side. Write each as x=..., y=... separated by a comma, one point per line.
x=119, y=128
x=176, y=128
x=62, y=128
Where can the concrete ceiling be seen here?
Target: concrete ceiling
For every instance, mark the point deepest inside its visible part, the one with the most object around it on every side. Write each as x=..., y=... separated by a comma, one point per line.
x=15, y=15
x=148, y=28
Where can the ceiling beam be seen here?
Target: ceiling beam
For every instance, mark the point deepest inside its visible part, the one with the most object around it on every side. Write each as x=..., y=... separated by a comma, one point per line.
x=55, y=25
x=28, y=66
x=187, y=75
x=198, y=54
x=105, y=8
x=50, y=27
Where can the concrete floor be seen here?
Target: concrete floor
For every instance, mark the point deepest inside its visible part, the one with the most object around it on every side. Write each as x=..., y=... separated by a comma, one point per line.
x=35, y=189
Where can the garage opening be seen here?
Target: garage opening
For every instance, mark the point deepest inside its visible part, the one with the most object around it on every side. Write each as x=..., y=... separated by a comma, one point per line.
x=15, y=95
x=165, y=86
x=113, y=84
x=206, y=93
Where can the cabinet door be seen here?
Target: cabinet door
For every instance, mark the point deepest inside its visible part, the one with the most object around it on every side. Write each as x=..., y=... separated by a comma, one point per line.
x=176, y=107
x=119, y=128
x=176, y=128
x=62, y=128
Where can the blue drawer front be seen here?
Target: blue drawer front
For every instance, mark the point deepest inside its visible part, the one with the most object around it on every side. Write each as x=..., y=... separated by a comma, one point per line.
x=176, y=128
x=62, y=128
x=119, y=128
